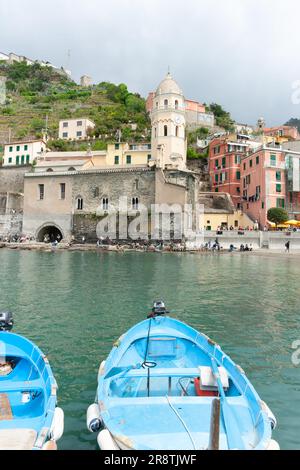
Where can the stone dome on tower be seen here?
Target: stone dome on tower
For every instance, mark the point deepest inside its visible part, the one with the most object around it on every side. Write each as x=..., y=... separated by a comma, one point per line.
x=168, y=85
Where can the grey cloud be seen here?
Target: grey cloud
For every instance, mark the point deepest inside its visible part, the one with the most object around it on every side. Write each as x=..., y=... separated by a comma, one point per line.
x=240, y=53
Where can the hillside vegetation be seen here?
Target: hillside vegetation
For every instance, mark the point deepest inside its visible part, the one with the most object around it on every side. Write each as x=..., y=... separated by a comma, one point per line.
x=34, y=92
x=38, y=97
x=294, y=122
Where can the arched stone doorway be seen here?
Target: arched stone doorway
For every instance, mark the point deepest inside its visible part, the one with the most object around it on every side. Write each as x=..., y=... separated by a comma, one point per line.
x=49, y=233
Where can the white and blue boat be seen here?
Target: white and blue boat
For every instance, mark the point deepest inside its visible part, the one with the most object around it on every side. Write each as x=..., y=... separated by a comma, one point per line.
x=165, y=386
x=29, y=416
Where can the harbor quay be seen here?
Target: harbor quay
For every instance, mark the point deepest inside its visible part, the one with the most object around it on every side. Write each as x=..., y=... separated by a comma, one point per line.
x=208, y=241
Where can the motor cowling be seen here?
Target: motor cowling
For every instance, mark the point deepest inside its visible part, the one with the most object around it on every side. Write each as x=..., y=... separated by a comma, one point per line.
x=6, y=321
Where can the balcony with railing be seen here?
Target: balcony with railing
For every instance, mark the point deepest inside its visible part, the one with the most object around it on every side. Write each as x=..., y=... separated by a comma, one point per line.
x=292, y=208
x=169, y=107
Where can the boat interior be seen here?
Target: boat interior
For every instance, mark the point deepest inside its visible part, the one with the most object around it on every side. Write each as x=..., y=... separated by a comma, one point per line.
x=22, y=396
x=175, y=364
x=171, y=386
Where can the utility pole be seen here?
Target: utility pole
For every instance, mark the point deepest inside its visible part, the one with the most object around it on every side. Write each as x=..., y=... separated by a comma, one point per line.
x=46, y=127
x=68, y=59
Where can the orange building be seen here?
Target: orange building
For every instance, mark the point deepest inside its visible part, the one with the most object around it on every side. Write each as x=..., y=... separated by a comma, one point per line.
x=225, y=155
x=287, y=132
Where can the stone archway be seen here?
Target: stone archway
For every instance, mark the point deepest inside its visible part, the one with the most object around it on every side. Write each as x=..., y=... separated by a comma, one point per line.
x=49, y=233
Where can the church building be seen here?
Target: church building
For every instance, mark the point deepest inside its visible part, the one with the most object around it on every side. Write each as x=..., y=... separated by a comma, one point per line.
x=70, y=202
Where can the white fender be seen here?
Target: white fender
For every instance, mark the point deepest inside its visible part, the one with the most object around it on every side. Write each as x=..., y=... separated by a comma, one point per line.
x=270, y=415
x=101, y=368
x=93, y=418
x=273, y=445
x=106, y=441
x=57, y=426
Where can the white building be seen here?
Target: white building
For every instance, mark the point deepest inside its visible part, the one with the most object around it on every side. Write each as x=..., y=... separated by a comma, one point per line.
x=168, y=126
x=23, y=153
x=86, y=81
x=4, y=56
x=244, y=128
x=75, y=129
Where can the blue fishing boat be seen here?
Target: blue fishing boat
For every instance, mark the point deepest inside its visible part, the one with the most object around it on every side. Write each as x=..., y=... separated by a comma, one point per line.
x=166, y=386
x=29, y=417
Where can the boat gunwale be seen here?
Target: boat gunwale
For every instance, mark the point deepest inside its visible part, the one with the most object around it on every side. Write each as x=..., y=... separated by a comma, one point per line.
x=209, y=347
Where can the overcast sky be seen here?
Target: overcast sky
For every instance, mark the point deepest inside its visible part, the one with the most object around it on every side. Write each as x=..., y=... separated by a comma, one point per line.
x=243, y=54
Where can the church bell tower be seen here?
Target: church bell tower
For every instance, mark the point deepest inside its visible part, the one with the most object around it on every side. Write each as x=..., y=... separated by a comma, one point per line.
x=168, y=140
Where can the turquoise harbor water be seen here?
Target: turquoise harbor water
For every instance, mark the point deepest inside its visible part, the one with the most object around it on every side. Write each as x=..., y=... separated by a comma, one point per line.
x=75, y=305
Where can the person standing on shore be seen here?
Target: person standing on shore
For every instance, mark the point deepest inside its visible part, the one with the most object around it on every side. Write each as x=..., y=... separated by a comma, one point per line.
x=287, y=247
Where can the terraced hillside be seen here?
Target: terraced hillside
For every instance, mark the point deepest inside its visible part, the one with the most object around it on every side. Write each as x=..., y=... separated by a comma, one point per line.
x=38, y=97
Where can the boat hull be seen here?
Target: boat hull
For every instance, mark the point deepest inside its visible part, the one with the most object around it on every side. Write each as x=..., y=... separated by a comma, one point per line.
x=29, y=416
x=148, y=396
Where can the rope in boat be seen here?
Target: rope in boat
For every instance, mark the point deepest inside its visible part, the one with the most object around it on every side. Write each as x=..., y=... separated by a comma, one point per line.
x=182, y=421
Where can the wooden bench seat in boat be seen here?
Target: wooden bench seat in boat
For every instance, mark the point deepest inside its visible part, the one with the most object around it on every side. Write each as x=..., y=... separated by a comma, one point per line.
x=17, y=439
x=11, y=386
x=163, y=372
x=176, y=372
x=5, y=408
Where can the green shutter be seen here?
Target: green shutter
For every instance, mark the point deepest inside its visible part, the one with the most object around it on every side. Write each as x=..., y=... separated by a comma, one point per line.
x=278, y=188
x=280, y=203
x=257, y=160
x=238, y=175
x=278, y=175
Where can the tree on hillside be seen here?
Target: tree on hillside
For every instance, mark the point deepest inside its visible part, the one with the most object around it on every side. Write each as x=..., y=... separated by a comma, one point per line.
x=294, y=122
x=200, y=133
x=223, y=118
x=277, y=215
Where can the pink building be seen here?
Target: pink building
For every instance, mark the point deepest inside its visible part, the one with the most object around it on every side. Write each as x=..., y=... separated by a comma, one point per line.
x=191, y=105
x=263, y=183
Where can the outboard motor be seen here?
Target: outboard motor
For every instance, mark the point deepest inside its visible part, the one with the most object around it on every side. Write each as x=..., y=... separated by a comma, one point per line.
x=6, y=321
x=158, y=309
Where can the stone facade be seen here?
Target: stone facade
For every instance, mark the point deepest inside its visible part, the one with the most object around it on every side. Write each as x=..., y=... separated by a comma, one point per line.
x=88, y=187
x=95, y=187
x=11, y=214
x=12, y=179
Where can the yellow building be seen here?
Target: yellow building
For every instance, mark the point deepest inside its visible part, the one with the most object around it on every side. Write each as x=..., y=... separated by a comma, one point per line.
x=119, y=154
x=124, y=154
x=224, y=219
